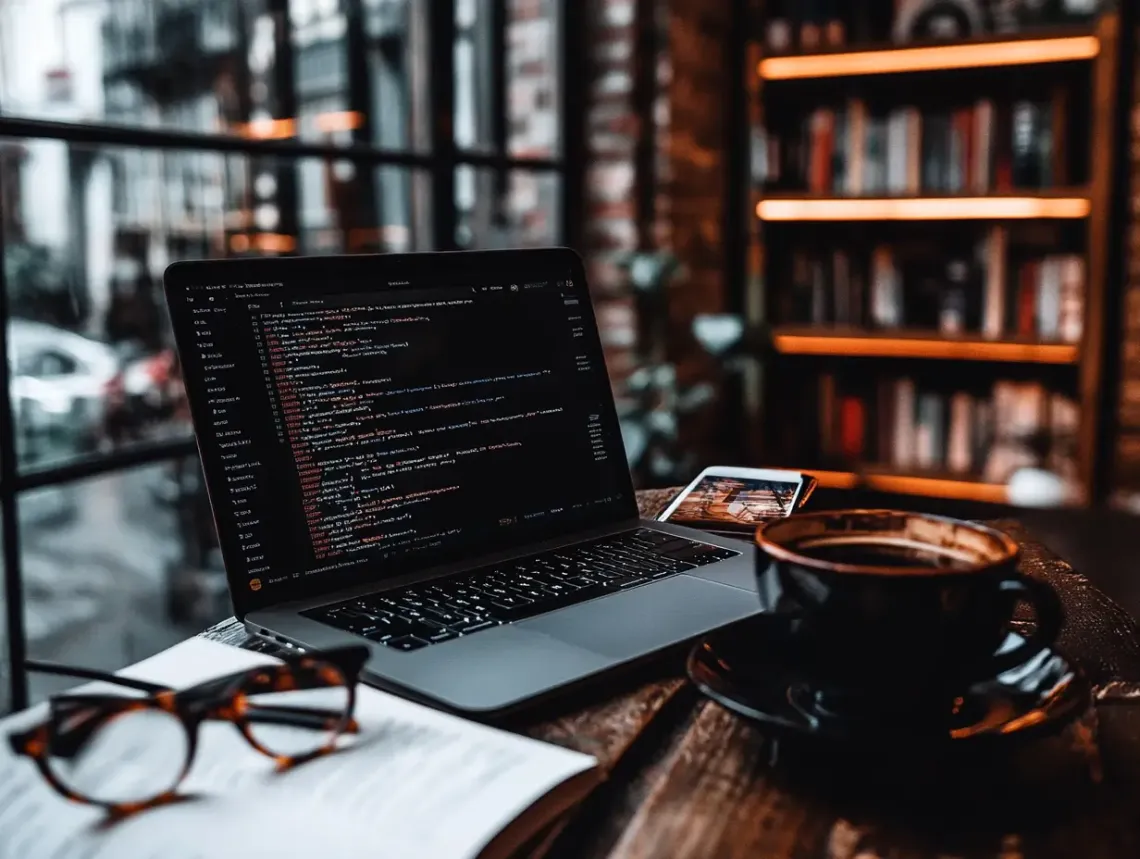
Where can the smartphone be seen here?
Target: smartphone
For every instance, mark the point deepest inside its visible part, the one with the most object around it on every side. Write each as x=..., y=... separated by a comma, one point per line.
x=735, y=500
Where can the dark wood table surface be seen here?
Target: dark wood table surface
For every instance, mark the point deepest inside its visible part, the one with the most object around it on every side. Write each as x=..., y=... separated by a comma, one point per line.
x=687, y=778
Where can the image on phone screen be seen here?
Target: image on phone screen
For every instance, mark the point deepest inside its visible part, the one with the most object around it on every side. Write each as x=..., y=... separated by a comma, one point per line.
x=735, y=502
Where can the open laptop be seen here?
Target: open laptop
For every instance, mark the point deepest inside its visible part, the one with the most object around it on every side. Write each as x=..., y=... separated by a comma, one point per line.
x=421, y=452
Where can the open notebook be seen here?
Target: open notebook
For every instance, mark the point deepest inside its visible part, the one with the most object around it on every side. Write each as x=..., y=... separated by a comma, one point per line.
x=416, y=783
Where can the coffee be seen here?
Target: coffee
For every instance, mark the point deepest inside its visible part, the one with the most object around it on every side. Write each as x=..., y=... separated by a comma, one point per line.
x=884, y=553
x=896, y=611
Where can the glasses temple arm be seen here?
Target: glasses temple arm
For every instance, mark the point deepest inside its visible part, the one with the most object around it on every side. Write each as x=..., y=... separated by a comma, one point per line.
x=91, y=674
x=301, y=717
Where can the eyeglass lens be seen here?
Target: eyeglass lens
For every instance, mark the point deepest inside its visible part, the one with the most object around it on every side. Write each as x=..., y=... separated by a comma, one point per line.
x=301, y=720
x=132, y=756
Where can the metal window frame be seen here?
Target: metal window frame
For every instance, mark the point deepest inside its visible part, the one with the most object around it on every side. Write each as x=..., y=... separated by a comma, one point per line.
x=439, y=163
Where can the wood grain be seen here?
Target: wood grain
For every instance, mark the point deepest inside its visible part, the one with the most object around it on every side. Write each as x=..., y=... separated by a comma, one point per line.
x=1098, y=633
x=686, y=778
x=608, y=730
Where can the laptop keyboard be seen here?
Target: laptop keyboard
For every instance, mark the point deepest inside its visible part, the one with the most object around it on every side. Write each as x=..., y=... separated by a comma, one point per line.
x=419, y=615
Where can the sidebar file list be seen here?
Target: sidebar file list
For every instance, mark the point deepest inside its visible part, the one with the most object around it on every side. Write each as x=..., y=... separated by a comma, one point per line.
x=239, y=461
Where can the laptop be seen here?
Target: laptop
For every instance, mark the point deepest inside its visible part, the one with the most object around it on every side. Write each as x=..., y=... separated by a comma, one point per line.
x=421, y=453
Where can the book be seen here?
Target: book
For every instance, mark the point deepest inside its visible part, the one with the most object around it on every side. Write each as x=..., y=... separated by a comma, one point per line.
x=1070, y=326
x=413, y=782
x=993, y=311
x=905, y=454
x=959, y=447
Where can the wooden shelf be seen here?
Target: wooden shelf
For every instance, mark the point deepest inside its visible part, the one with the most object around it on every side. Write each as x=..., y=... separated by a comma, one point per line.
x=872, y=344
x=932, y=58
x=934, y=487
x=1067, y=205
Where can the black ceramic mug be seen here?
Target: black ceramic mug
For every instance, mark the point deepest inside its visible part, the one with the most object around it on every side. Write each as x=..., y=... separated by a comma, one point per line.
x=898, y=612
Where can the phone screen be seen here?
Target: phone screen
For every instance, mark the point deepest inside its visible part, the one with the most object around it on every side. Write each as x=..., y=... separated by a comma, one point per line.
x=735, y=502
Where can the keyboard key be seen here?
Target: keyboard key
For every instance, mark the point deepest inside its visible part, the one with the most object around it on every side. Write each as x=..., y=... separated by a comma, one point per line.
x=583, y=581
x=390, y=627
x=407, y=643
x=442, y=635
x=508, y=602
x=473, y=626
x=630, y=582
x=442, y=615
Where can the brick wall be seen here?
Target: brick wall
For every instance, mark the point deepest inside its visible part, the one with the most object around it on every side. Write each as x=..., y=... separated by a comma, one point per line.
x=611, y=219
x=691, y=201
x=689, y=132
x=1127, y=470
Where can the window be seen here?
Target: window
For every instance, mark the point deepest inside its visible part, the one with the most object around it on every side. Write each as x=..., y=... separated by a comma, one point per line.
x=138, y=132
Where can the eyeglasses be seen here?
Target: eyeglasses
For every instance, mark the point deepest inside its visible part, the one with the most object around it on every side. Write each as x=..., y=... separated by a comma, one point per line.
x=129, y=753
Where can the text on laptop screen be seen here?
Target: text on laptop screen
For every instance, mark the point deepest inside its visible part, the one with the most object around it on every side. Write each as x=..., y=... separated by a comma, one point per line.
x=350, y=433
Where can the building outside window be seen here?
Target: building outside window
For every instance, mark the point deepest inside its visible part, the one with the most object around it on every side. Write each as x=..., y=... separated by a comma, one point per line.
x=134, y=133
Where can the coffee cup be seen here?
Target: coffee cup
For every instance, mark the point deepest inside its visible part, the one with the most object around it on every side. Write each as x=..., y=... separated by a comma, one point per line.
x=898, y=611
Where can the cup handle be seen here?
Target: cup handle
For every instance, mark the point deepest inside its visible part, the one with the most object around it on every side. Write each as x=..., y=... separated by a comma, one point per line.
x=1050, y=616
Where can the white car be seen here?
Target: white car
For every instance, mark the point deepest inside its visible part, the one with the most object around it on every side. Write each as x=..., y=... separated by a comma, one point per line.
x=60, y=380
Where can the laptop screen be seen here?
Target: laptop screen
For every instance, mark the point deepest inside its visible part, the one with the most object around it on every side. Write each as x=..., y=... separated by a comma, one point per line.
x=370, y=417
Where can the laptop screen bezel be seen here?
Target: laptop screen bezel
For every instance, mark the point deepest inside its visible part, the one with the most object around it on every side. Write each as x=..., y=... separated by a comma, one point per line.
x=419, y=270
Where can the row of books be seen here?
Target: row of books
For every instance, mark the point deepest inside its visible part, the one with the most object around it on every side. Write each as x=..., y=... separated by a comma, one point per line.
x=911, y=430
x=1037, y=298
x=808, y=26
x=855, y=151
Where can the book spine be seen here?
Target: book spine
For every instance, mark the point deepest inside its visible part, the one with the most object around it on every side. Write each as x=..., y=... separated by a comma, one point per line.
x=827, y=419
x=914, y=150
x=1059, y=162
x=904, y=433
x=1049, y=298
x=993, y=314
x=852, y=429
x=896, y=153
x=1030, y=140
x=1027, y=299
x=819, y=294
x=885, y=417
x=820, y=160
x=856, y=146
x=982, y=167
x=886, y=303
x=959, y=448
x=841, y=284
x=1071, y=327
x=875, y=171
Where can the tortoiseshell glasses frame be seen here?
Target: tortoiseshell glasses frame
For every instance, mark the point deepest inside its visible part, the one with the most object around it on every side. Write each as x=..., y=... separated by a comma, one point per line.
x=76, y=718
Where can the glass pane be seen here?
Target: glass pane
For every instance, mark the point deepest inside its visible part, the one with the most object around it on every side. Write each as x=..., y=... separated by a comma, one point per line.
x=119, y=567
x=531, y=70
x=5, y=666
x=515, y=209
x=87, y=235
x=249, y=69
x=361, y=71
x=348, y=208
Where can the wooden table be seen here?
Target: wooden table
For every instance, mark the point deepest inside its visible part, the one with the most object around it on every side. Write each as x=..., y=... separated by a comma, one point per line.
x=690, y=779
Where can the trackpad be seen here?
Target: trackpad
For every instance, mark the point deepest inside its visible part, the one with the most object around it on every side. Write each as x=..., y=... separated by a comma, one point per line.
x=648, y=618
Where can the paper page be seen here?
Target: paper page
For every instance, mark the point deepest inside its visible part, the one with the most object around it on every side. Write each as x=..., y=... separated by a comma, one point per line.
x=414, y=783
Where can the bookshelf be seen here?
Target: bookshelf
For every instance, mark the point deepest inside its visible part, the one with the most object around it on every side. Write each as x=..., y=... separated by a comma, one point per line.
x=932, y=272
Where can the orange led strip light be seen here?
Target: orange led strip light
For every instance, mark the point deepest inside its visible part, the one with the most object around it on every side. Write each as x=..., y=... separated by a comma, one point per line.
x=924, y=209
x=963, y=490
x=890, y=347
x=936, y=58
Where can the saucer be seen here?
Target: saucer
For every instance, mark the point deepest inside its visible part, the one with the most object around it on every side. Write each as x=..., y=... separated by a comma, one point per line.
x=750, y=668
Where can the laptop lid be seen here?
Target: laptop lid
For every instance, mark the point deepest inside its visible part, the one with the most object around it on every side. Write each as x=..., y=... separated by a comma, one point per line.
x=367, y=416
